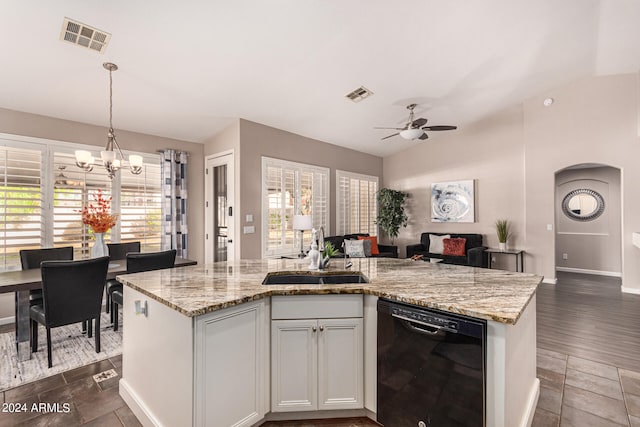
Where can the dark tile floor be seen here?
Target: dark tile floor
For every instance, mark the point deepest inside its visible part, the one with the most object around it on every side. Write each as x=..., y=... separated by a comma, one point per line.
x=74, y=398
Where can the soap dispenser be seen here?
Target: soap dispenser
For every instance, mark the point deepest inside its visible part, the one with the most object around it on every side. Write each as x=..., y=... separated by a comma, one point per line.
x=314, y=254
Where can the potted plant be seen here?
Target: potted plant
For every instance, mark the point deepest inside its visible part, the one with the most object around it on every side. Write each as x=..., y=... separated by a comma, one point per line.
x=391, y=214
x=503, y=231
x=99, y=218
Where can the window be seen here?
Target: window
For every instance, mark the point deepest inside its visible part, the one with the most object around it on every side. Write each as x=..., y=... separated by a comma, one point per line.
x=42, y=192
x=291, y=188
x=20, y=204
x=357, y=203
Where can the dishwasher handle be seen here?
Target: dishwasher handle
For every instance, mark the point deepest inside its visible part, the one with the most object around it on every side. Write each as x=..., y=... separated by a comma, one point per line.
x=409, y=324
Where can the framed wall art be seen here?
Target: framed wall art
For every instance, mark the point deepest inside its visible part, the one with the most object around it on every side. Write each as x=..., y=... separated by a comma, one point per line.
x=453, y=201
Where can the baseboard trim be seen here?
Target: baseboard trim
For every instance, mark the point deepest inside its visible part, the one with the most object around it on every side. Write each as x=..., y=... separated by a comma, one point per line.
x=585, y=271
x=139, y=409
x=628, y=290
x=550, y=280
x=7, y=320
x=533, y=404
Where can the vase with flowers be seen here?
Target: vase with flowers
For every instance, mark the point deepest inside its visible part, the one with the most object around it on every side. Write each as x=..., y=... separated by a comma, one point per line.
x=98, y=217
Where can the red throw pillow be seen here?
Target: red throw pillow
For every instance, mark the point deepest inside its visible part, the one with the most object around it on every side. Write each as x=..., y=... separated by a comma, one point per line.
x=454, y=246
x=374, y=243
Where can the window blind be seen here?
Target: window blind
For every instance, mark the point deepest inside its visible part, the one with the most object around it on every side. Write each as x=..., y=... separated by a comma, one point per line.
x=140, y=205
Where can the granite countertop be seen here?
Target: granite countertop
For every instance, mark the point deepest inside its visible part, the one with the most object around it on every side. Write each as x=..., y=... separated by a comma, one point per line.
x=495, y=295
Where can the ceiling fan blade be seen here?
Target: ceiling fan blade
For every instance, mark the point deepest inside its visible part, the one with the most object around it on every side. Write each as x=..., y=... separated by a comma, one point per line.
x=419, y=122
x=390, y=128
x=424, y=136
x=441, y=127
x=395, y=134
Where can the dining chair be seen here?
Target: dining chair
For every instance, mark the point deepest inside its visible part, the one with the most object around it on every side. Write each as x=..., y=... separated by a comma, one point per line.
x=31, y=258
x=137, y=263
x=71, y=293
x=117, y=251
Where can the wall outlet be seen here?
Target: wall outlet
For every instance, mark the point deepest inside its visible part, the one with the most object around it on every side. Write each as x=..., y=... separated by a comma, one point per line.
x=565, y=256
x=248, y=218
x=493, y=259
x=549, y=227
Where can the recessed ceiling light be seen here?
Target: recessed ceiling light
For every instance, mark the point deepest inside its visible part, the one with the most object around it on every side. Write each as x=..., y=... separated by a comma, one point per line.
x=547, y=102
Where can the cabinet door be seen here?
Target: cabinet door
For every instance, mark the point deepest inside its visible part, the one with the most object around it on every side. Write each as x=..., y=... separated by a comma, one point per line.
x=294, y=365
x=230, y=372
x=340, y=364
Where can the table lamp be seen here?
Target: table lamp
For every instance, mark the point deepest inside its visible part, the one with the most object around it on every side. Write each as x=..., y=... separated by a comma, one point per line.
x=302, y=223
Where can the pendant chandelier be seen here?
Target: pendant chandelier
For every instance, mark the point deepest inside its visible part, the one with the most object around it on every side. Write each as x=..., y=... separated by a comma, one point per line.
x=111, y=156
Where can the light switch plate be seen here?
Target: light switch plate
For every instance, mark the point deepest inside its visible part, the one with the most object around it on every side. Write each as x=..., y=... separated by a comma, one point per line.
x=249, y=229
x=549, y=227
x=248, y=218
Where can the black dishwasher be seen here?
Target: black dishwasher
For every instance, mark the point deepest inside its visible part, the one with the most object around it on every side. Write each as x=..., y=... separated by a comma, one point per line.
x=431, y=367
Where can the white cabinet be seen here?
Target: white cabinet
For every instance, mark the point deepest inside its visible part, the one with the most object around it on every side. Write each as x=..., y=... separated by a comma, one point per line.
x=231, y=366
x=317, y=363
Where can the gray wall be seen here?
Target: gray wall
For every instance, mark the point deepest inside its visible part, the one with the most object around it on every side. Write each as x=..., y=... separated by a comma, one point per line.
x=25, y=124
x=257, y=140
x=514, y=157
x=590, y=245
x=490, y=152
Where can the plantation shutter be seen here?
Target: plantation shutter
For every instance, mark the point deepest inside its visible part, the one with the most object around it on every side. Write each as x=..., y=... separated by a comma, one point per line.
x=72, y=189
x=140, y=207
x=357, y=203
x=21, y=224
x=292, y=188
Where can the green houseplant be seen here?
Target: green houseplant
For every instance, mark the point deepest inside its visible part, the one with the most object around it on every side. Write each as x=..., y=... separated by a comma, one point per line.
x=503, y=230
x=391, y=214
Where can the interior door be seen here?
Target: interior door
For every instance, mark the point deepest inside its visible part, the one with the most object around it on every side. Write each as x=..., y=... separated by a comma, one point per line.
x=219, y=208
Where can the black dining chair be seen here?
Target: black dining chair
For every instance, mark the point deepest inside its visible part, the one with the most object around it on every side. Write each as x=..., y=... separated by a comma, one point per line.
x=31, y=258
x=136, y=263
x=71, y=293
x=117, y=251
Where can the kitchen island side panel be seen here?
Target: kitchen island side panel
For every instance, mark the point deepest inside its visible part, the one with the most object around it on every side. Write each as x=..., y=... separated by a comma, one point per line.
x=512, y=386
x=157, y=362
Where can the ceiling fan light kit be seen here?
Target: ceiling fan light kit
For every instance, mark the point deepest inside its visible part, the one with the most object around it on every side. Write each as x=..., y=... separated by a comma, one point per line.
x=410, y=134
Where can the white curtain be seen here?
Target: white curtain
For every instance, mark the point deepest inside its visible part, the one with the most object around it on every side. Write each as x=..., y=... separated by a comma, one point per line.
x=174, y=201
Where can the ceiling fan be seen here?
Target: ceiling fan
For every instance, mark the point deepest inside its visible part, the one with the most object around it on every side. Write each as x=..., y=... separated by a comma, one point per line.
x=415, y=129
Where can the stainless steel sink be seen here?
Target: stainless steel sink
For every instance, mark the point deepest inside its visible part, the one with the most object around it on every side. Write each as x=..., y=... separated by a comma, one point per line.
x=312, y=278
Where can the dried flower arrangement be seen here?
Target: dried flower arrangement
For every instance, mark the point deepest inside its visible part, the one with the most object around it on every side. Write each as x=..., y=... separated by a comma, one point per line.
x=98, y=216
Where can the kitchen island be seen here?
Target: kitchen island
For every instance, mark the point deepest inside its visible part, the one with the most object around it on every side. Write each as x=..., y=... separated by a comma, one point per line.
x=208, y=351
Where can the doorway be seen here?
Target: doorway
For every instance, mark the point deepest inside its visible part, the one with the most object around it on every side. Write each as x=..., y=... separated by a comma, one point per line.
x=588, y=208
x=219, y=208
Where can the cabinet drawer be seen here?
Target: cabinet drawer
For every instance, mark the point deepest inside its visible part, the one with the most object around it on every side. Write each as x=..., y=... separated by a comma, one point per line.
x=316, y=306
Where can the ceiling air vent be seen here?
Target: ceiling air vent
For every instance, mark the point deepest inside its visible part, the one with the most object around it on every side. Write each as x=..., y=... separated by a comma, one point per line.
x=83, y=35
x=359, y=94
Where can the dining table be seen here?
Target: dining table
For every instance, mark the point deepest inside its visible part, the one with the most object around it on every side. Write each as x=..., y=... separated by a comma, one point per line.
x=23, y=281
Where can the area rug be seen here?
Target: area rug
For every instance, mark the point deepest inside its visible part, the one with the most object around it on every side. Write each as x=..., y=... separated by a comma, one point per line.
x=70, y=349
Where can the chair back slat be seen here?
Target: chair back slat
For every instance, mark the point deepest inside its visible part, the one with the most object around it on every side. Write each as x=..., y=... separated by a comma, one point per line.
x=72, y=290
x=120, y=250
x=31, y=258
x=147, y=261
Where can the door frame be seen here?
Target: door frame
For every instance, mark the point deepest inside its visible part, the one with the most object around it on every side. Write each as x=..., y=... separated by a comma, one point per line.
x=233, y=249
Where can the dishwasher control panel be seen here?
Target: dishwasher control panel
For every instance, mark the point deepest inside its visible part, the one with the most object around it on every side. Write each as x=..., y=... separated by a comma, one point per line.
x=426, y=318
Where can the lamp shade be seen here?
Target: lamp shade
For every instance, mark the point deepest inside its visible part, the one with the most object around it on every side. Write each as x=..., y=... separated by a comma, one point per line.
x=302, y=222
x=83, y=156
x=411, y=133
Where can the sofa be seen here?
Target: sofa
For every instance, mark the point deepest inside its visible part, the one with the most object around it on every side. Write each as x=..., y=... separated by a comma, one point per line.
x=386, y=251
x=474, y=254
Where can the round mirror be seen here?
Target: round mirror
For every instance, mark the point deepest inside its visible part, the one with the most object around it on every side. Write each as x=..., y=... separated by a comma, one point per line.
x=583, y=205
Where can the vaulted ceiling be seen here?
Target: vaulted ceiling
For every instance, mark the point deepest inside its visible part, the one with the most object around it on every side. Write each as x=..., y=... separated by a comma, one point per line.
x=187, y=68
